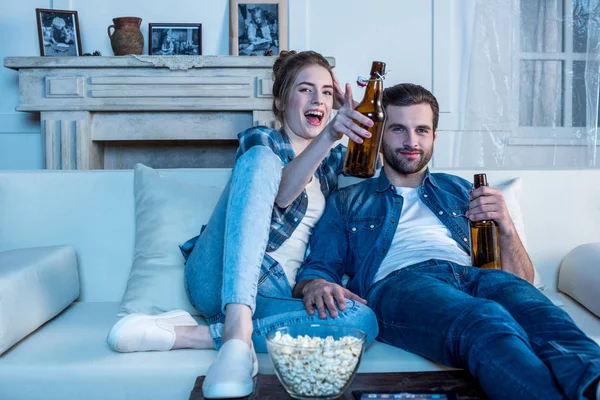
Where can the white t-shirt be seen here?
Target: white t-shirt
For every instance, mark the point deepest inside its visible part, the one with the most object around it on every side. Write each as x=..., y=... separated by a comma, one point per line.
x=290, y=255
x=420, y=236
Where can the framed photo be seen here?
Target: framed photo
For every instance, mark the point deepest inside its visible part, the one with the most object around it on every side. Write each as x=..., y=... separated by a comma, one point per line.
x=175, y=39
x=58, y=31
x=257, y=27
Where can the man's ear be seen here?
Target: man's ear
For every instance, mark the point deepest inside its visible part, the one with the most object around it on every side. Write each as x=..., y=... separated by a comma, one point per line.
x=434, y=135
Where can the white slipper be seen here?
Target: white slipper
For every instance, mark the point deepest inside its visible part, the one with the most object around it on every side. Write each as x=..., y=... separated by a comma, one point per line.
x=230, y=375
x=143, y=332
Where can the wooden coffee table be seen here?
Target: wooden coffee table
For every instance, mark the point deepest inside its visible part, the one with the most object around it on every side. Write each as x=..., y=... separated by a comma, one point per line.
x=268, y=387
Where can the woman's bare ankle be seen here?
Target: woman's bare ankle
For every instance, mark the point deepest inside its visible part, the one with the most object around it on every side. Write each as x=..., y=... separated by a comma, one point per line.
x=193, y=337
x=238, y=323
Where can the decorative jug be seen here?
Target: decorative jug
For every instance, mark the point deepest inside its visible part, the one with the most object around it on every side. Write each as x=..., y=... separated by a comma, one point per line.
x=127, y=37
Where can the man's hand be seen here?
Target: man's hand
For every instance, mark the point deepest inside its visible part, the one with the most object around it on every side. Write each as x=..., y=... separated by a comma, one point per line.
x=320, y=294
x=488, y=204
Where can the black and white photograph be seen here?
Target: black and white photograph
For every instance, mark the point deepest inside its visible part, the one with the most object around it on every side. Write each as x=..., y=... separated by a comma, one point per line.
x=258, y=28
x=175, y=39
x=58, y=32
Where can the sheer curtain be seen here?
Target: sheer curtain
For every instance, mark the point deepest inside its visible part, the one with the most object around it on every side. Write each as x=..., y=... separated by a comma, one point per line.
x=531, y=98
x=589, y=26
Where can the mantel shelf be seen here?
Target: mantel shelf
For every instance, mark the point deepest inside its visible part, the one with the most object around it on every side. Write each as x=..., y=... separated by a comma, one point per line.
x=133, y=62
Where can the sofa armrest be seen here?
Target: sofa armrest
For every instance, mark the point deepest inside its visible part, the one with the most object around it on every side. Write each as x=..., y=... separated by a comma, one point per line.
x=579, y=276
x=36, y=284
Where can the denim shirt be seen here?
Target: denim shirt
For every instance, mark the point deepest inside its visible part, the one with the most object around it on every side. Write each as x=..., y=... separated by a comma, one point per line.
x=356, y=230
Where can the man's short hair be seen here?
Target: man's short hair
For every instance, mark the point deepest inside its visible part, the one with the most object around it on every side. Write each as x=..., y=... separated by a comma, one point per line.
x=409, y=94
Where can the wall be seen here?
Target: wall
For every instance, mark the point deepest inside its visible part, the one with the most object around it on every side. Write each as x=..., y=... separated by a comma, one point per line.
x=398, y=32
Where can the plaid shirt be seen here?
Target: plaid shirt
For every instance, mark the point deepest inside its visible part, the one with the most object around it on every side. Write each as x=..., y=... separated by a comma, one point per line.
x=285, y=220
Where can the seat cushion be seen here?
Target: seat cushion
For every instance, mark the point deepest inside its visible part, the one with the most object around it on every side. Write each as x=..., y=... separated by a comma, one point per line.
x=68, y=358
x=585, y=320
x=36, y=284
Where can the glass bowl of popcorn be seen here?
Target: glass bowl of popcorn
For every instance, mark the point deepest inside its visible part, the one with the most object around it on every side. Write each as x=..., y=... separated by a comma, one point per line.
x=316, y=361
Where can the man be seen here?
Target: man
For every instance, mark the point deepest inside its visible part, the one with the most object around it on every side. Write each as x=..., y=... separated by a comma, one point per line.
x=402, y=238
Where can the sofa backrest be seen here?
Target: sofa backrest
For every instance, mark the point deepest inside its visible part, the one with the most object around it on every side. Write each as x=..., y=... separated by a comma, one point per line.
x=93, y=211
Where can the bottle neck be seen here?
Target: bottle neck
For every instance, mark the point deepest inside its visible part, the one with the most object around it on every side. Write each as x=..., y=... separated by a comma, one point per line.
x=374, y=89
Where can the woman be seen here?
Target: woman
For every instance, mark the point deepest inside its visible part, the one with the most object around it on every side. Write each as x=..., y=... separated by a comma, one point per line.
x=241, y=269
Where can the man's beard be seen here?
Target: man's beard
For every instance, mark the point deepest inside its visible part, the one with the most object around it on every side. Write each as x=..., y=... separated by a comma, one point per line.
x=394, y=160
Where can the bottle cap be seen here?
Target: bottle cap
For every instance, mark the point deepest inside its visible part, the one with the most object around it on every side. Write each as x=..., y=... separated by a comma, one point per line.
x=378, y=67
x=479, y=180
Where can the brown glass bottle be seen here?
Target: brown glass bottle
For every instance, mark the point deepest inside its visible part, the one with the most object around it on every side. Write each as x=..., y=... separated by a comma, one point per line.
x=361, y=159
x=485, y=249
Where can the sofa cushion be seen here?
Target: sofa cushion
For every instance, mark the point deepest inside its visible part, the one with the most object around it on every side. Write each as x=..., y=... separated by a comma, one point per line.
x=36, y=284
x=74, y=345
x=579, y=276
x=167, y=213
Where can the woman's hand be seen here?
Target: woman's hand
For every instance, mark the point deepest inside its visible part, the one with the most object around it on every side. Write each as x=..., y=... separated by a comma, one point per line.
x=344, y=122
x=339, y=96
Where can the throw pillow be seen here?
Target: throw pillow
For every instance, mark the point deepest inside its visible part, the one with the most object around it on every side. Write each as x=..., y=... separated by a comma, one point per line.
x=167, y=212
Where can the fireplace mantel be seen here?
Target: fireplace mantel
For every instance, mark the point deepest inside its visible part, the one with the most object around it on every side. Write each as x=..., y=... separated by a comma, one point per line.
x=177, y=111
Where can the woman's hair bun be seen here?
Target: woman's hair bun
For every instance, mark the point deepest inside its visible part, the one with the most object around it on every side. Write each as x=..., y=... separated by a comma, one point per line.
x=283, y=56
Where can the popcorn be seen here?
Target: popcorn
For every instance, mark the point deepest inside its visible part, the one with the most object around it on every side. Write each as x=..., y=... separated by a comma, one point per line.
x=314, y=366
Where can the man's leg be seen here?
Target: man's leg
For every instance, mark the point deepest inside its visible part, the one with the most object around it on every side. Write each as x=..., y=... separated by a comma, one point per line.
x=423, y=310
x=573, y=358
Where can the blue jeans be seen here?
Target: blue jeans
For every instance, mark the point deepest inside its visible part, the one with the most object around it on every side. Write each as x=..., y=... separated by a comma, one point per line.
x=226, y=265
x=496, y=325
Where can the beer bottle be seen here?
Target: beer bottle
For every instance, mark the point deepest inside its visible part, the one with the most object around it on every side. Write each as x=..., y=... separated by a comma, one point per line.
x=485, y=250
x=361, y=159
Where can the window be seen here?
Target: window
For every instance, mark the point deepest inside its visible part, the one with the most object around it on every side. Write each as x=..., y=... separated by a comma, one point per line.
x=552, y=68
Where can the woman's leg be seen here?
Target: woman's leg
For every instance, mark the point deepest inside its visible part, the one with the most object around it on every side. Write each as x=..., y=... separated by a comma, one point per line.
x=276, y=308
x=222, y=271
x=225, y=263
x=223, y=268
x=273, y=313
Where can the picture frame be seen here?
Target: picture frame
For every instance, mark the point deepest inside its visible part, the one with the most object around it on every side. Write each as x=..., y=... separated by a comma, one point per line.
x=171, y=39
x=58, y=32
x=258, y=27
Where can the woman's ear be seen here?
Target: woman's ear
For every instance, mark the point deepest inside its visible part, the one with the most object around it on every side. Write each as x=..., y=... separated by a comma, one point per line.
x=278, y=104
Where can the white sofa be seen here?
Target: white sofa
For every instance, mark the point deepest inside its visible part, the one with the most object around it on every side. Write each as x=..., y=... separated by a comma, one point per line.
x=84, y=222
